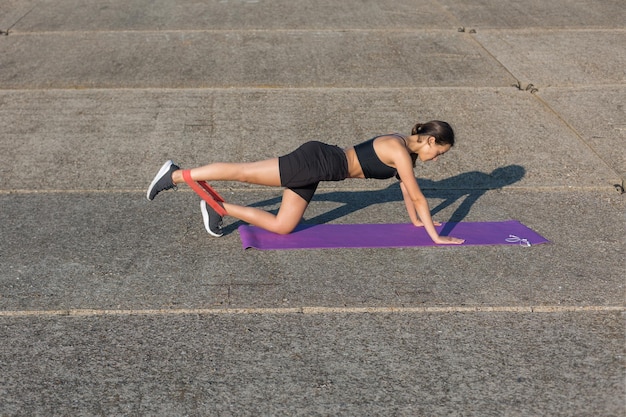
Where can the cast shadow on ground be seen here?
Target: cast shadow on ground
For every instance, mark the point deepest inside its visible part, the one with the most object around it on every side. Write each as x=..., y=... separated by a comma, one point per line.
x=469, y=185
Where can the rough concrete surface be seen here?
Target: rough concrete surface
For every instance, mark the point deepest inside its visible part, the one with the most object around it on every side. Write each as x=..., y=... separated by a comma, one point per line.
x=113, y=305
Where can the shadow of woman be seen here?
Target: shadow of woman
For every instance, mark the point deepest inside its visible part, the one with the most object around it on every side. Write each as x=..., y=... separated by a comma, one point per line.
x=471, y=185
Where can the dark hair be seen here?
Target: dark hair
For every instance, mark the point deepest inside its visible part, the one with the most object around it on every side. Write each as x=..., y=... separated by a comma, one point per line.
x=441, y=131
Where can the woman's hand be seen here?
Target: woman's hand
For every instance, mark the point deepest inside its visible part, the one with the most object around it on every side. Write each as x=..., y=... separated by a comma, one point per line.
x=418, y=223
x=448, y=240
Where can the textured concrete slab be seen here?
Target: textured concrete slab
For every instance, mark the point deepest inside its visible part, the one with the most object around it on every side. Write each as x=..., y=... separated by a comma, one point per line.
x=178, y=59
x=340, y=364
x=483, y=14
x=142, y=15
x=94, y=140
x=105, y=250
x=604, y=127
x=560, y=58
x=111, y=305
x=12, y=12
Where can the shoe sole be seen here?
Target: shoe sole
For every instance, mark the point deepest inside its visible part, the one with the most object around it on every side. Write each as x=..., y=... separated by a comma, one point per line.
x=205, y=218
x=164, y=169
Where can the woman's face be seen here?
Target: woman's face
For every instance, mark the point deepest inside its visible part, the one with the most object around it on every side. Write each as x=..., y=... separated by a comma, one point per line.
x=431, y=150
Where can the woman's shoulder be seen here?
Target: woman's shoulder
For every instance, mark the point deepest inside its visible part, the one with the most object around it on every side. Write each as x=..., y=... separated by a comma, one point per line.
x=391, y=139
x=383, y=142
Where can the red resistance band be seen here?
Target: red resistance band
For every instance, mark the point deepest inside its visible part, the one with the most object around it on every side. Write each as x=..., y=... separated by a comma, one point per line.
x=205, y=192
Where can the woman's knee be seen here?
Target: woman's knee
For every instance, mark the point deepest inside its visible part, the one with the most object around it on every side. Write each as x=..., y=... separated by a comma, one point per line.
x=284, y=228
x=290, y=212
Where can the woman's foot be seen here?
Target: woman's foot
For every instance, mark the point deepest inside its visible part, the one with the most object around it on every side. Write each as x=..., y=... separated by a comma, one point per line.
x=212, y=220
x=163, y=180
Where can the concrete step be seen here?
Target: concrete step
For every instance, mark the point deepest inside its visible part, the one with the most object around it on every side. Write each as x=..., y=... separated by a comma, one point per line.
x=117, y=250
x=117, y=139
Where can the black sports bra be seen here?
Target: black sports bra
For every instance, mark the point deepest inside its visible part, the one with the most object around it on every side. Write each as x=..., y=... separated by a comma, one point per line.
x=371, y=164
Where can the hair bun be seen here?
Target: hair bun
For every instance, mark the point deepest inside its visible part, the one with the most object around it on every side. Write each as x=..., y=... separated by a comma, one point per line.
x=441, y=131
x=417, y=128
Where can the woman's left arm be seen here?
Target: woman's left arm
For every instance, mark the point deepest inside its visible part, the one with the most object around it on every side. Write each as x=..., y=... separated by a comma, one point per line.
x=413, y=196
x=410, y=208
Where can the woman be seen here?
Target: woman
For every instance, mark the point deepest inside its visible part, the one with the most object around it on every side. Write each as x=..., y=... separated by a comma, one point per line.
x=301, y=171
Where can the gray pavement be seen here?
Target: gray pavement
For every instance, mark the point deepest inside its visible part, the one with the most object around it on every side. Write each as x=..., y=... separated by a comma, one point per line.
x=113, y=305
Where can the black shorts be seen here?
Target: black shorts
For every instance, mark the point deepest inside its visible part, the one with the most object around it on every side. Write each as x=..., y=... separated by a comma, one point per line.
x=303, y=169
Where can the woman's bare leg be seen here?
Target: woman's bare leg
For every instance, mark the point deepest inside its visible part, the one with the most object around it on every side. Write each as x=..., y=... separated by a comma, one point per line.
x=266, y=172
x=261, y=172
x=289, y=214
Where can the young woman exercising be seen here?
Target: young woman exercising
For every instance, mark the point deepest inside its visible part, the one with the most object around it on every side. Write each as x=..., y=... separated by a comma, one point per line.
x=301, y=171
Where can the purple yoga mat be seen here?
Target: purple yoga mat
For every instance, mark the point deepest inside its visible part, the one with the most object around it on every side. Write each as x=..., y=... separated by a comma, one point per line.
x=327, y=236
